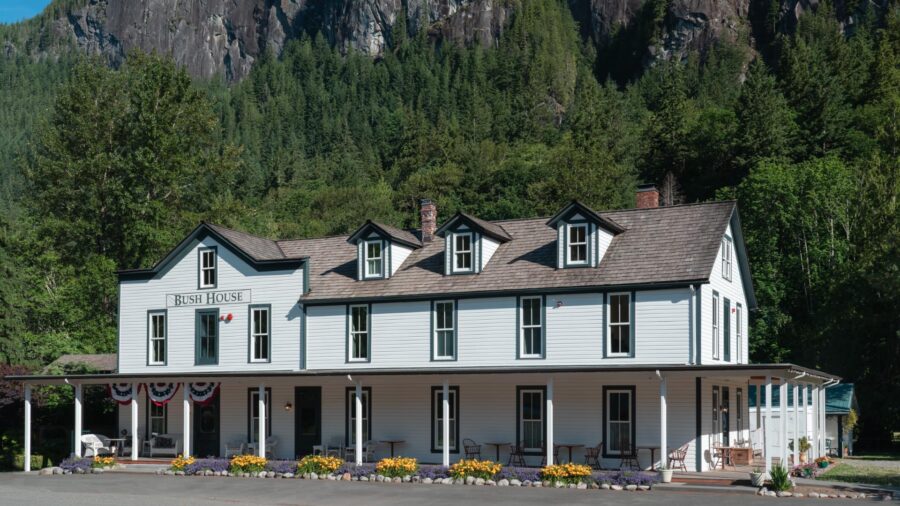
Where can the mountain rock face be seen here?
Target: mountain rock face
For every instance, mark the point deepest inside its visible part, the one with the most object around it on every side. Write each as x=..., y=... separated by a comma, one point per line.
x=225, y=37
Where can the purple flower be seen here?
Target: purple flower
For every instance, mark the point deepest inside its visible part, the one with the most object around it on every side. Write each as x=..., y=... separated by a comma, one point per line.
x=433, y=472
x=282, y=466
x=356, y=470
x=625, y=477
x=72, y=463
x=212, y=464
x=519, y=473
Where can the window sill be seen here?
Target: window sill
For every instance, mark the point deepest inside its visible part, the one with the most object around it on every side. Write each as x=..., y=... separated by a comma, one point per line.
x=531, y=357
x=443, y=359
x=358, y=361
x=156, y=364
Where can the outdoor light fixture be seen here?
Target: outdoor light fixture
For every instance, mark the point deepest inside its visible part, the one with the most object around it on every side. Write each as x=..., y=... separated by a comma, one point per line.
x=288, y=406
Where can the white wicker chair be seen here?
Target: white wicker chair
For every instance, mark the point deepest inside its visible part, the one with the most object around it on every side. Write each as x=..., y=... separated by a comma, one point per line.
x=95, y=444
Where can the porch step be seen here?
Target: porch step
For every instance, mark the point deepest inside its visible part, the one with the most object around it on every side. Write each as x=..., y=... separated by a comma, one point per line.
x=144, y=467
x=696, y=487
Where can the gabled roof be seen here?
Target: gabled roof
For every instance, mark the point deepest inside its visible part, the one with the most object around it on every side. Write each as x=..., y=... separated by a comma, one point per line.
x=393, y=233
x=259, y=252
x=665, y=246
x=100, y=362
x=839, y=399
x=493, y=230
x=577, y=207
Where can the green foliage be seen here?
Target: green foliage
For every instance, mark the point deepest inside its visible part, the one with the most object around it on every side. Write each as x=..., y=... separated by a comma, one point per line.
x=780, y=478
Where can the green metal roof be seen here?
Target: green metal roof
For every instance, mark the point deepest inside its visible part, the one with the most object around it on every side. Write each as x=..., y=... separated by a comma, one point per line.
x=838, y=398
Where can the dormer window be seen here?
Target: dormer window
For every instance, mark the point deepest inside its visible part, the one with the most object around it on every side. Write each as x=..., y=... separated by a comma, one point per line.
x=726, y=258
x=374, y=259
x=462, y=253
x=578, y=245
x=207, y=273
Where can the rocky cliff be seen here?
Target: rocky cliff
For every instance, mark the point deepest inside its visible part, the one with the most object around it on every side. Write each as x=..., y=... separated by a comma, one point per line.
x=225, y=37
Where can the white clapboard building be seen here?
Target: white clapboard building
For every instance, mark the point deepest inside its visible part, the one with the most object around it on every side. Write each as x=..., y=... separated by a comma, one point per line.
x=624, y=328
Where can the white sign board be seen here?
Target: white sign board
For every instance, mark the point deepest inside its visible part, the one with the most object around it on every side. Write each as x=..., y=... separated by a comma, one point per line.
x=218, y=298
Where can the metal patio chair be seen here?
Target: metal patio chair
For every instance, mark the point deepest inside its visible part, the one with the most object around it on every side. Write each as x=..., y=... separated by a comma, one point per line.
x=516, y=456
x=628, y=455
x=472, y=449
x=592, y=456
x=555, y=455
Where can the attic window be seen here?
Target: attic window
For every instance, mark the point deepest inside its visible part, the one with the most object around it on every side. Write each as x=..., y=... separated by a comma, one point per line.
x=577, y=250
x=374, y=259
x=207, y=268
x=726, y=258
x=462, y=252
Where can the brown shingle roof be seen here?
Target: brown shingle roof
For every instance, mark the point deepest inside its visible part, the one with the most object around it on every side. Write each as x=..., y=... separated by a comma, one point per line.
x=102, y=362
x=258, y=248
x=659, y=246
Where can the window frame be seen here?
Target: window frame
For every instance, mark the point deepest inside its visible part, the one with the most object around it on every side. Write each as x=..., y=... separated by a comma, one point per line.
x=437, y=413
x=435, y=336
x=521, y=327
x=252, y=334
x=739, y=331
x=726, y=329
x=586, y=243
x=253, y=421
x=349, y=423
x=739, y=401
x=367, y=259
x=542, y=389
x=350, y=334
x=716, y=420
x=607, y=423
x=608, y=325
x=198, y=315
x=151, y=338
x=148, y=418
x=727, y=258
x=201, y=268
x=716, y=325
x=456, y=252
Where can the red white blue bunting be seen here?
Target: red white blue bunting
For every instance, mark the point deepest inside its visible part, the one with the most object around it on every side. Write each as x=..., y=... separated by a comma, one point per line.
x=121, y=392
x=203, y=393
x=161, y=393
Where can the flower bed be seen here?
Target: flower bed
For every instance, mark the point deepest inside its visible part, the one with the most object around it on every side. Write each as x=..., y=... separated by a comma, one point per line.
x=204, y=466
x=103, y=462
x=247, y=464
x=566, y=473
x=77, y=465
x=397, y=467
x=318, y=464
x=484, y=469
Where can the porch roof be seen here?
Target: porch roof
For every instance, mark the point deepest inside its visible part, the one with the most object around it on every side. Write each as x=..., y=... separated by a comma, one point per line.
x=744, y=370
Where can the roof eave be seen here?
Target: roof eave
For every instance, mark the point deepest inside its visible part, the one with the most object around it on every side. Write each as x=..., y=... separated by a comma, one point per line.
x=610, y=225
x=462, y=216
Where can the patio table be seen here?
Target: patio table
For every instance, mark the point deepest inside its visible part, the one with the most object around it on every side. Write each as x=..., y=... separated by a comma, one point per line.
x=497, y=445
x=569, y=446
x=392, y=442
x=652, y=450
x=119, y=442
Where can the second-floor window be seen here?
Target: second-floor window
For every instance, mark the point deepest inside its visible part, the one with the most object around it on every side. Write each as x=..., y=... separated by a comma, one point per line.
x=462, y=252
x=359, y=334
x=726, y=258
x=578, y=249
x=207, y=337
x=715, y=326
x=374, y=259
x=739, y=331
x=260, y=333
x=619, y=325
x=207, y=268
x=532, y=327
x=444, y=330
x=157, y=336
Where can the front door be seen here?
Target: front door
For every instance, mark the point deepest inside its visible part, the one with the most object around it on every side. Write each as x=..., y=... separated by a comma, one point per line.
x=307, y=419
x=206, y=429
x=726, y=417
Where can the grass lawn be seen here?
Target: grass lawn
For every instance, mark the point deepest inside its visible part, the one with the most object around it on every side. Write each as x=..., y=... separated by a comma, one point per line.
x=861, y=472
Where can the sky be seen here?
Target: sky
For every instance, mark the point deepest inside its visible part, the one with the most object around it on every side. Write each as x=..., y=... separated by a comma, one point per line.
x=17, y=10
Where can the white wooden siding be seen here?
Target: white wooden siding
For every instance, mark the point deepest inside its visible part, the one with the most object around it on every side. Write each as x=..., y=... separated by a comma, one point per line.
x=734, y=291
x=280, y=289
x=488, y=248
x=399, y=253
x=604, y=238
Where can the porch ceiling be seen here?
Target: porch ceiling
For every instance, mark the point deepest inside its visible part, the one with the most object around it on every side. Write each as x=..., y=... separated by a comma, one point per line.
x=723, y=370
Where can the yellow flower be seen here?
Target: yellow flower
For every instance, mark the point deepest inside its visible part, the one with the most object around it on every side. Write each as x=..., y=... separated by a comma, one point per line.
x=248, y=463
x=180, y=462
x=484, y=469
x=397, y=466
x=319, y=464
x=566, y=473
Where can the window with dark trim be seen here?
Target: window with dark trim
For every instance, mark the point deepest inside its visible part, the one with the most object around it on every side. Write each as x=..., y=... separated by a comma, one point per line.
x=444, y=330
x=253, y=414
x=437, y=419
x=374, y=261
x=716, y=407
x=207, y=267
x=716, y=343
x=619, y=420
x=358, y=338
x=207, y=337
x=577, y=251
x=726, y=258
x=531, y=422
x=619, y=325
x=157, y=419
x=739, y=331
x=156, y=335
x=726, y=329
x=260, y=333
x=350, y=419
x=739, y=400
x=531, y=327
x=462, y=252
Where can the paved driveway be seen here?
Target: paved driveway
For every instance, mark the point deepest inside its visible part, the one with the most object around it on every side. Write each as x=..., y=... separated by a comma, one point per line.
x=117, y=489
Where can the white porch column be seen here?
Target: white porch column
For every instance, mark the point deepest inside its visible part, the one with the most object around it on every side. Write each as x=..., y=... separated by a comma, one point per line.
x=815, y=422
x=805, y=412
x=663, y=415
x=796, y=424
x=445, y=406
x=27, y=463
x=261, y=405
x=782, y=422
x=822, y=433
x=134, y=422
x=359, y=427
x=767, y=421
x=78, y=395
x=186, y=422
x=549, y=442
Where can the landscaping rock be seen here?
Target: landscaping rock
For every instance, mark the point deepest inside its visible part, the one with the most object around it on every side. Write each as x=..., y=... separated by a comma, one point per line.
x=397, y=479
x=604, y=486
x=67, y=472
x=770, y=493
x=331, y=477
x=428, y=481
x=644, y=487
x=270, y=474
x=480, y=481
x=503, y=483
x=571, y=485
x=363, y=478
x=545, y=483
x=459, y=481
x=537, y=484
x=526, y=483
x=447, y=481
x=262, y=474
x=79, y=470
x=582, y=486
x=784, y=493
x=407, y=479
x=179, y=473
x=631, y=488
x=814, y=495
x=379, y=478
x=842, y=496
x=470, y=480
x=798, y=494
x=515, y=483
x=169, y=472
x=287, y=475
x=617, y=487
x=416, y=479
x=345, y=477
x=313, y=476
x=490, y=483
x=47, y=471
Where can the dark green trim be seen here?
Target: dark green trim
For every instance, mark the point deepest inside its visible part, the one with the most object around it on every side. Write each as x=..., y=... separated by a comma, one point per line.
x=726, y=327
x=347, y=339
x=434, y=303
x=453, y=269
x=698, y=351
x=302, y=336
x=739, y=329
x=365, y=258
x=452, y=224
x=715, y=345
x=588, y=213
x=731, y=247
x=165, y=313
x=519, y=323
x=197, y=315
x=306, y=278
x=269, y=408
x=587, y=243
x=367, y=394
x=632, y=389
x=200, y=251
x=631, y=324
x=543, y=390
x=250, y=308
x=698, y=424
x=369, y=225
x=605, y=320
x=147, y=432
x=455, y=426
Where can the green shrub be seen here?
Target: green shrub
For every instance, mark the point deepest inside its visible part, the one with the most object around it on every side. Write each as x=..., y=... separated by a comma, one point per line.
x=781, y=480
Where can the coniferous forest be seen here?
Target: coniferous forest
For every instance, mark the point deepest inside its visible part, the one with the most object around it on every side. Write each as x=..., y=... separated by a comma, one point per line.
x=102, y=168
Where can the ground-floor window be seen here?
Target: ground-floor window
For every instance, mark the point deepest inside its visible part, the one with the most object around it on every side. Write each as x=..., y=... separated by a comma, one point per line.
x=156, y=418
x=253, y=411
x=619, y=410
x=740, y=410
x=437, y=418
x=366, y=414
x=531, y=423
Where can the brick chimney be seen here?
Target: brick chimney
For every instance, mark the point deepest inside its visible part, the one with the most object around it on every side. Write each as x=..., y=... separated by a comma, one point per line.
x=647, y=196
x=429, y=219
